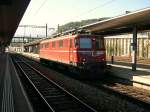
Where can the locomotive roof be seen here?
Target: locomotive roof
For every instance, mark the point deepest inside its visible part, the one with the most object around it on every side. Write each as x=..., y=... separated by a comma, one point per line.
x=59, y=38
x=62, y=37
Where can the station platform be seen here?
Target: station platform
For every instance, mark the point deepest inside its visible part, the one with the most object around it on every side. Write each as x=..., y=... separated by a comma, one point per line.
x=123, y=69
x=12, y=95
x=32, y=56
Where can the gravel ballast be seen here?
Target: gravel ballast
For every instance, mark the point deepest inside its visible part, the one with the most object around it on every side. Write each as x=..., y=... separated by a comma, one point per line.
x=99, y=99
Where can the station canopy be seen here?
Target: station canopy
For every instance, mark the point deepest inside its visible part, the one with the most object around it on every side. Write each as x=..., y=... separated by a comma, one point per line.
x=122, y=24
x=11, y=12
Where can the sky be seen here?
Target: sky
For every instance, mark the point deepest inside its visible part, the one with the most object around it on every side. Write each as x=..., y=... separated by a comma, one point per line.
x=54, y=12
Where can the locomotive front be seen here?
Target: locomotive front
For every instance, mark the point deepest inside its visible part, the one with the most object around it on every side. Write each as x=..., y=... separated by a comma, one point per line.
x=91, y=55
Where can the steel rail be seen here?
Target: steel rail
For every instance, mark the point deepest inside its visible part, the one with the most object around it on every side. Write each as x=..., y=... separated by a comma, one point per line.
x=34, y=86
x=90, y=109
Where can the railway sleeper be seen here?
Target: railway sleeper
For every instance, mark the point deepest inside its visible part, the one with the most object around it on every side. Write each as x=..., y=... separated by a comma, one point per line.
x=52, y=90
x=61, y=99
x=67, y=106
x=51, y=94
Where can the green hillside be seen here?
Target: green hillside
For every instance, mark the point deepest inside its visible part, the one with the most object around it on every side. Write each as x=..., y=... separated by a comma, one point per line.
x=73, y=25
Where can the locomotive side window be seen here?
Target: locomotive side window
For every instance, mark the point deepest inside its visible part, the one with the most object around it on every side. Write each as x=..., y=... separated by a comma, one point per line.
x=41, y=46
x=85, y=43
x=99, y=43
x=46, y=45
x=53, y=44
x=70, y=43
x=60, y=43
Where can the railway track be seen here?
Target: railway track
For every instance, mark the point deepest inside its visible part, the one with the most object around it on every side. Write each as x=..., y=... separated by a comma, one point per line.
x=122, y=89
x=45, y=94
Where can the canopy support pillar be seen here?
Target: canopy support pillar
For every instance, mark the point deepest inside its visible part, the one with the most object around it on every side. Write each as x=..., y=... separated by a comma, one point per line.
x=134, y=48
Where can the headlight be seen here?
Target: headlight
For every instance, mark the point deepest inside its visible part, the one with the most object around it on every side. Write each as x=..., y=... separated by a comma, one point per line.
x=83, y=59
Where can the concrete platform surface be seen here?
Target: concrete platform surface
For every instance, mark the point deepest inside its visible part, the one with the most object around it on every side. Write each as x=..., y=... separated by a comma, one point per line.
x=141, y=75
x=32, y=56
x=12, y=95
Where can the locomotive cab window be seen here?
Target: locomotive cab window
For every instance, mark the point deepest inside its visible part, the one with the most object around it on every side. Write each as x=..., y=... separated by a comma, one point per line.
x=85, y=43
x=76, y=42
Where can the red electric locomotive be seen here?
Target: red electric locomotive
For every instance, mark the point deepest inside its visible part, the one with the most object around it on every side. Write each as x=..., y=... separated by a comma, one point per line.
x=78, y=52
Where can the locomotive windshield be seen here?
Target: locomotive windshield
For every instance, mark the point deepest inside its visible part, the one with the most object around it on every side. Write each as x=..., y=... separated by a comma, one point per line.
x=85, y=43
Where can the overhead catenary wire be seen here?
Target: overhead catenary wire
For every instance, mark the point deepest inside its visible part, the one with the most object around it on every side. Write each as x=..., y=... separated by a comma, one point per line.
x=92, y=9
x=40, y=7
x=86, y=12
